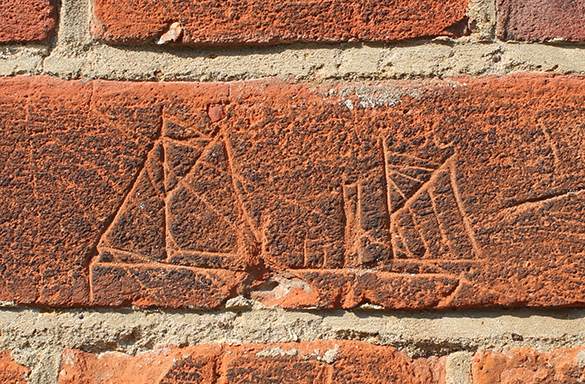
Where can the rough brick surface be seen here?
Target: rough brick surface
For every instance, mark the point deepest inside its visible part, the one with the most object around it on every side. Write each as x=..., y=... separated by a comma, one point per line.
x=541, y=20
x=10, y=372
x=400, y=194
x=308, y=362
x=528, y=366
x=26, y=20
x=270, y=21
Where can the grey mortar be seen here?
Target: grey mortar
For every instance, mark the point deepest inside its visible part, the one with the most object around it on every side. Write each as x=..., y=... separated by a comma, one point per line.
x=458, y=368
x=37, y=337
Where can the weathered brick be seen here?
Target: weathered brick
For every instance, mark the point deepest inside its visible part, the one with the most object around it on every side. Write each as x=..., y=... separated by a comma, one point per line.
x=541, y=20
x=525, y=365
x=306, y=362
x=10, y=372
x=271, y=21
x=26, y=20
x=434, y=194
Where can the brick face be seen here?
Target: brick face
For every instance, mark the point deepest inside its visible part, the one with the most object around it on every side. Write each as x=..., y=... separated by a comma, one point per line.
x=524, y=365
x=26, y=20
x=306, y=362
x=270, y=21
x=541, y=20
x=412, y=195
x=10, y=372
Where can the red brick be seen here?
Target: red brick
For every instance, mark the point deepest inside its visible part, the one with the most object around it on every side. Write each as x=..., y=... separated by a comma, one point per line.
x=308, y=362
x=458, y=193
x=26, y=20
x=10, y=372
x=541, y=20
x=527, y=366
x=271, y=21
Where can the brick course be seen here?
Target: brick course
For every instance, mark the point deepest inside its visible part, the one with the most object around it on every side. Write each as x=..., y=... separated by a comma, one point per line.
x=307, y=362
x=26, y=20
x=406, y=195
x=270, y=21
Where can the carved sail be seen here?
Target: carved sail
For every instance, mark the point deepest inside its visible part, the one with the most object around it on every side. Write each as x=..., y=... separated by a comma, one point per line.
x=181, y=210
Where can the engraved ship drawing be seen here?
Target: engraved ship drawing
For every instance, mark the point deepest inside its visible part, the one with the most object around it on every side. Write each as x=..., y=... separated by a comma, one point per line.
x=189, y=206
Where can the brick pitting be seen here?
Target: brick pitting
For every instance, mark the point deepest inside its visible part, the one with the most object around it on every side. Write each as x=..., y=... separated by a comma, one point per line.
x=541, y=20
x=525, y=365
x=306, y=362
x=414, y=195
x=270, y=21
x=26, y=20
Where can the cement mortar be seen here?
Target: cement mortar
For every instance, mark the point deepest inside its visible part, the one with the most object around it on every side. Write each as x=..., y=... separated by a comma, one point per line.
x=37, y=336
x=458, y=368
x=73, y=54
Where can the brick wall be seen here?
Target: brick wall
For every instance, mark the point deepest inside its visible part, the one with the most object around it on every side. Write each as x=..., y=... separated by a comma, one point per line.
x=300, y=191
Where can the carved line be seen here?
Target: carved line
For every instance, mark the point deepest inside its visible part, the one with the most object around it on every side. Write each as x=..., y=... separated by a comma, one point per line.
x=233, y=175
x=459, y=201
x=413, y=178
x=348, y=217
x=417, y=226
x=165, y=221
x=210, y=205
x=358, y=216
x=188, y=173
x=328, y=373
x=401, y=194
x=305, y=250
x=168, y=234
x=307, y=208
x=230, y=174
x=310, y=210
x=401, y=233
x=581, y=150
x=414, y=194
x=418, y=159
x=198, y=195
x=541, y=199
x=129, y=253
x=93, y=253
x=386, y=191
x=436, y=211
x=148, y=173
x=552, y=145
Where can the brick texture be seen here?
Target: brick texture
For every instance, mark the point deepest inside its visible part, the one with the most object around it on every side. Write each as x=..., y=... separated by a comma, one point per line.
x=459, y=193
x=308, y=362
x=10, y=372
x=528, y=366
x=271, y=21
x=26, y=20
x=541, y=20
